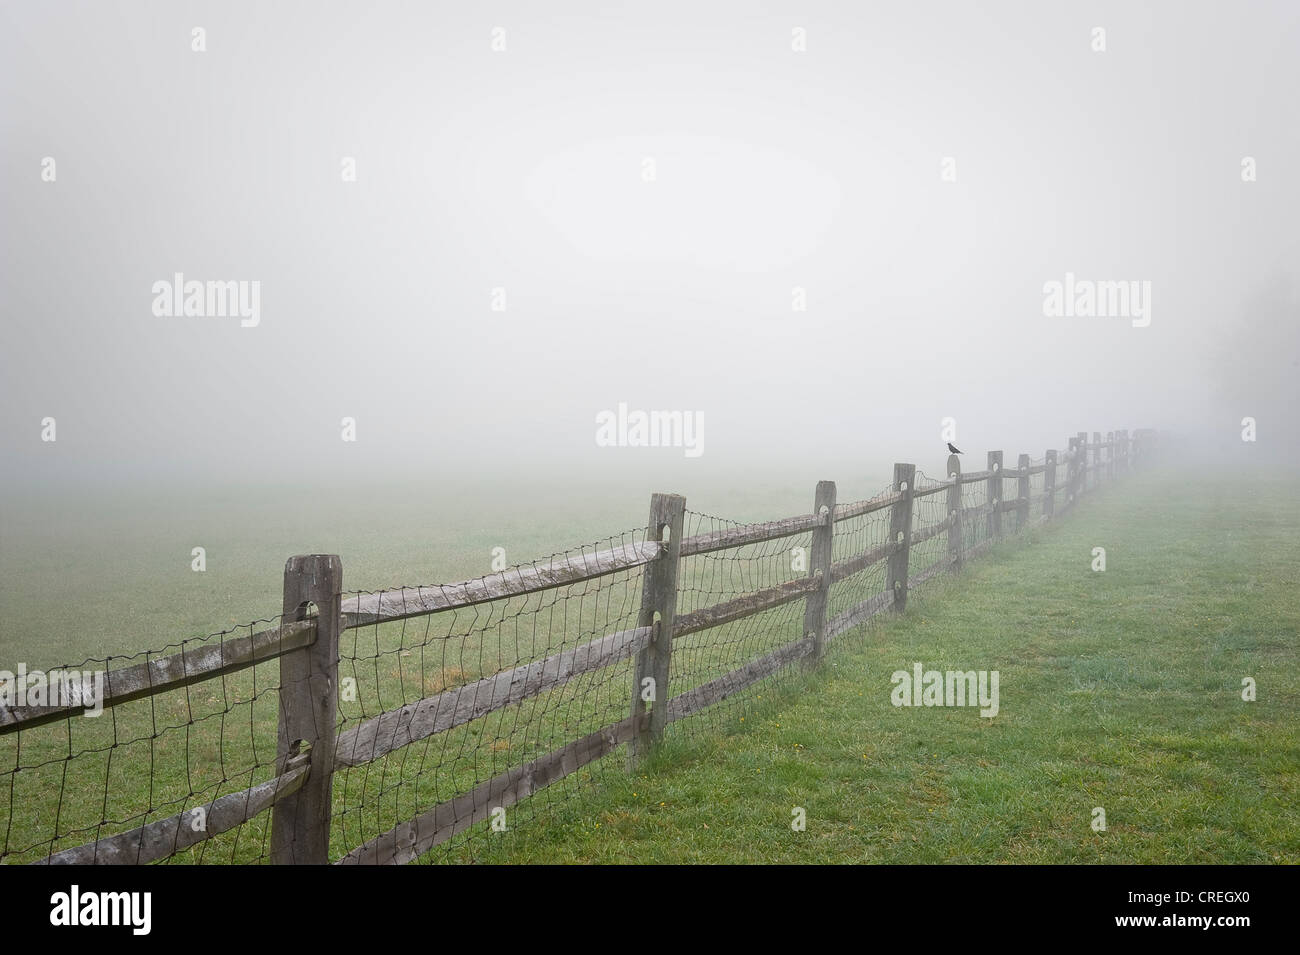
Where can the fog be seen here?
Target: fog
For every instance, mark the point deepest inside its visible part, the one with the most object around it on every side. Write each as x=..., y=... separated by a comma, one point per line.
x=820, y=228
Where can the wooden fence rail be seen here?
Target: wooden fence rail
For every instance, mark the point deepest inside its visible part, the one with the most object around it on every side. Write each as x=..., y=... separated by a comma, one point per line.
x=307, y=646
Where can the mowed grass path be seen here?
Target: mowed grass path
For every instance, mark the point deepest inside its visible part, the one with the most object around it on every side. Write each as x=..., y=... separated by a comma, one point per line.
x=1119, y=690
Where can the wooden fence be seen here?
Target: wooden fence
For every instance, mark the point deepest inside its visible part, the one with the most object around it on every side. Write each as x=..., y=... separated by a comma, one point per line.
x=310, y=749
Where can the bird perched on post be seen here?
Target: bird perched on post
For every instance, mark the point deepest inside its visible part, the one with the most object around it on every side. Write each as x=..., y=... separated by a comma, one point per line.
x=952, y=449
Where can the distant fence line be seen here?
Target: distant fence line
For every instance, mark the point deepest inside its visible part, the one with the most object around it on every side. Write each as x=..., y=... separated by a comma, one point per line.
x=579, y=625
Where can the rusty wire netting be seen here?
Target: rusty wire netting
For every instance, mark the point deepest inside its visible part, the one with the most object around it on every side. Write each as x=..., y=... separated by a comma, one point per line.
x=466, y=710
x=471, y=727
x=80, y=778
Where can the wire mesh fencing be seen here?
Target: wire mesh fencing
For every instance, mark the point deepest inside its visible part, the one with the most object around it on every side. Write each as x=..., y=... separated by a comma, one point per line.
x=930, y=553
x=464, y=712
x=715, y=578
x=72, y=780
x=859, y=538
x=433, y=706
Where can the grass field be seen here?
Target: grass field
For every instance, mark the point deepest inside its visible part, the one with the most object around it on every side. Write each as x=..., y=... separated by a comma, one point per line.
x=84, y=574
x=111, y=574
x=1119, y=689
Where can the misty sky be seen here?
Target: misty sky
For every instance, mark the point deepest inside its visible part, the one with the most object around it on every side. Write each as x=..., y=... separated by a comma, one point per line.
x=524, y=169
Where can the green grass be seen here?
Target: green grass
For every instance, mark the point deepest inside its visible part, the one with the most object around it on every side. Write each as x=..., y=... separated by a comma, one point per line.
x=154, y=757
x=108, y=571
x=1119, y=690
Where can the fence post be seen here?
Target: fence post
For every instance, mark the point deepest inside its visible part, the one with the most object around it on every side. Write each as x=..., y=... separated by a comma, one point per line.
x=819, y=563
x=995, y=495
x=900, y=534
x=300, y=823
x=1123, y=446
x=1096, y=459
x=954, y=512
x=1022, y=493
x=1049, y=483
x=658, y=599
x=1110, y=456
x=1072, y=472
x=1083, y=464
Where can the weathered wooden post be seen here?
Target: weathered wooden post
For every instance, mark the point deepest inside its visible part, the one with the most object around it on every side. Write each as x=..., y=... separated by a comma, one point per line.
x=658, y=610
x=954, y=512
x=1110, y=456
x=1071, y=471
x=1122, y=437
x=1082, y=476
x=1022, y=493
x=1096, y=459
x=994, y=495
x=900, y=534
x=819, y=564
x=300, y=823
x=1049, y=483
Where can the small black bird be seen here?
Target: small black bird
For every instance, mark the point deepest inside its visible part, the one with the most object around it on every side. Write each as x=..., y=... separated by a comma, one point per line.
x=952, y=449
